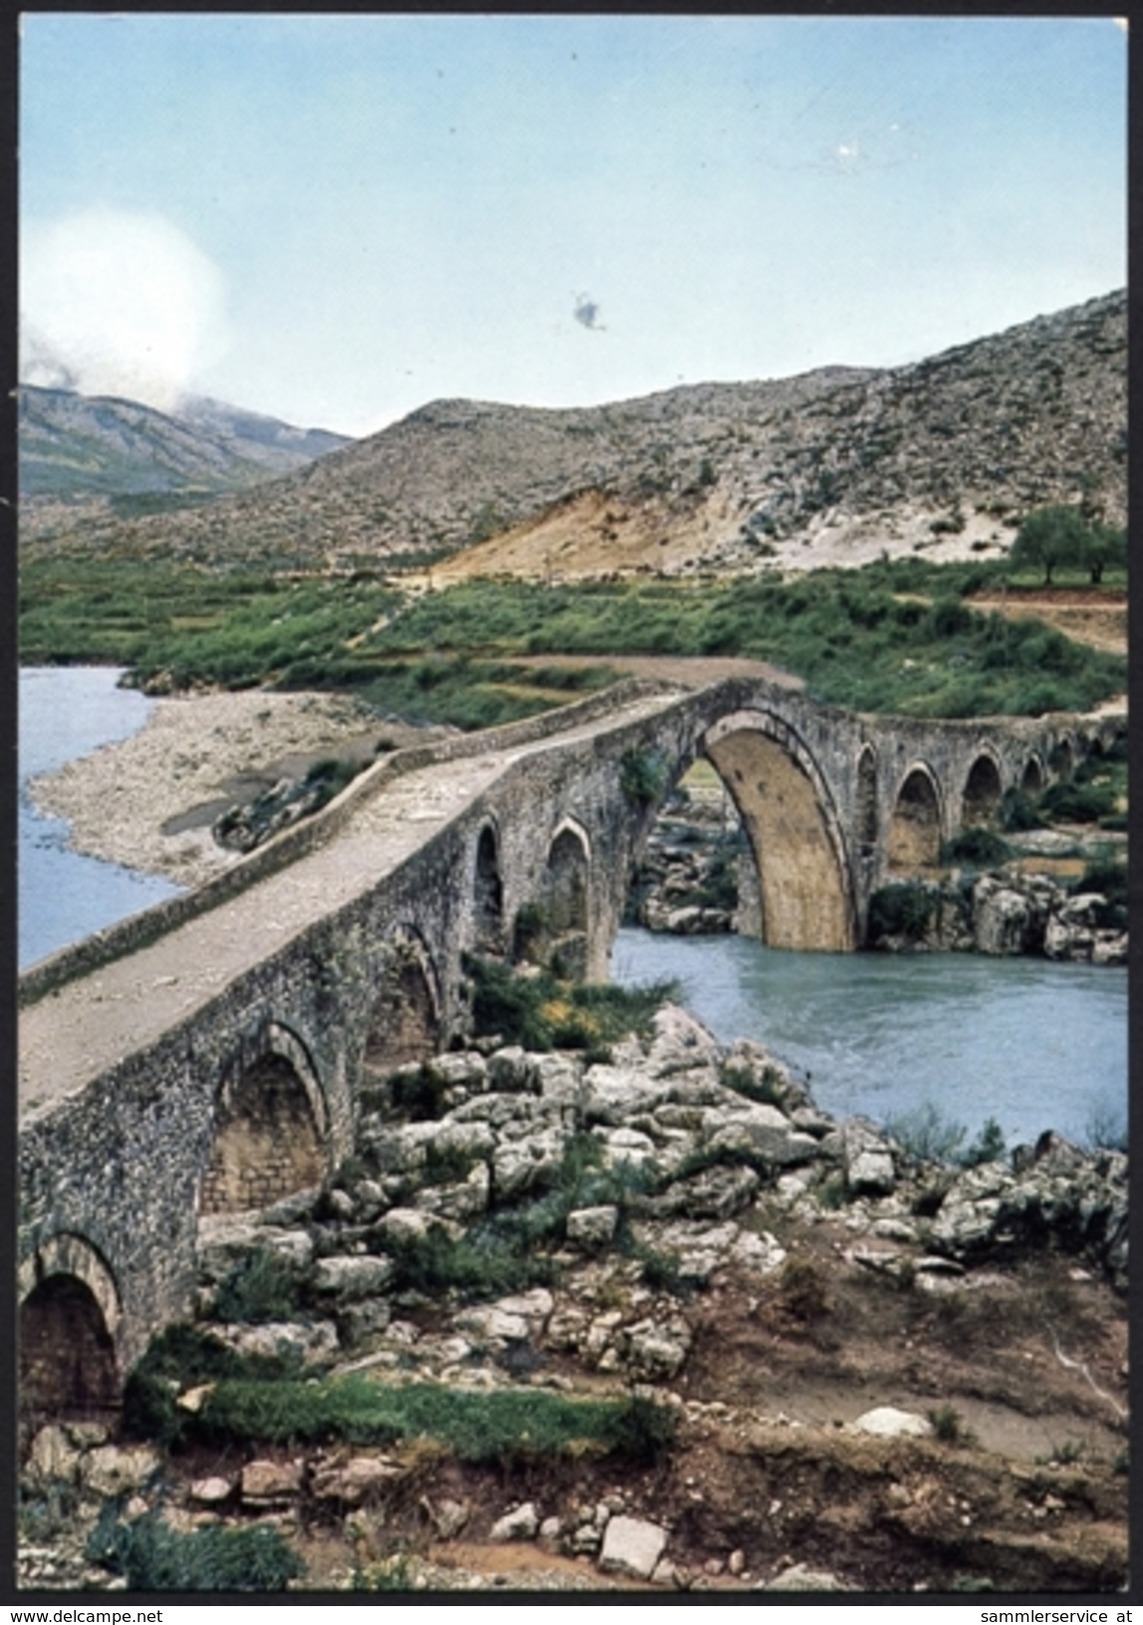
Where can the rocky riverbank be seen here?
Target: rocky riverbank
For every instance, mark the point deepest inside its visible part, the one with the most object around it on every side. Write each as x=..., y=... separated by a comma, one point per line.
x=858, y=1369
x=697, y=877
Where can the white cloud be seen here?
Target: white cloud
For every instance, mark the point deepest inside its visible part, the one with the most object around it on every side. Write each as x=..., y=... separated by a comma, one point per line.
x=118, y=302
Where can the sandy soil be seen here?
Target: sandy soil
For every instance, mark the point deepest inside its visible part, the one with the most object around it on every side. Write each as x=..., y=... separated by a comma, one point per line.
x=148, y=802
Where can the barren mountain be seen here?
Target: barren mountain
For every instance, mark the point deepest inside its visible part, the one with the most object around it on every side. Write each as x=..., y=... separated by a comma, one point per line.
x=76, y=447
x=834, y=466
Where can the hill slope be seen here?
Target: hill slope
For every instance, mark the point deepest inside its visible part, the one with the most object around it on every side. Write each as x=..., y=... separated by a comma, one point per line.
x=77, y=447
x=834, y=466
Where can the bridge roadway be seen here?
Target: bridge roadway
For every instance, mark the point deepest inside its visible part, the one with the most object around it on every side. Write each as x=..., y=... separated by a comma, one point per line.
x=84, y=1027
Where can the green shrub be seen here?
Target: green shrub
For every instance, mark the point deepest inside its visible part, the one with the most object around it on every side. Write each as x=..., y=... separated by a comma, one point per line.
x=978, y=846
x=926, y=1134
x=948, y=1425
x=643, y=776
x=260, y=1288
x=183, y=1357
x=988, y=1146
x=1106, y=1129
x=542, y=1012
x=152, y=1556
x=1106, y=875
x=901, y=909
x=1018, y=812
x=1073, y=803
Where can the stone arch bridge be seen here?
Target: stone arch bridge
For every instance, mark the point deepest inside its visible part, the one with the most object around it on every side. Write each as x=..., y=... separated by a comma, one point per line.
x=211, y=1055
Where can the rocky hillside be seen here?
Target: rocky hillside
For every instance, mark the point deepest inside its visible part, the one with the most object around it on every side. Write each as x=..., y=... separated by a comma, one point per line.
x=834, y=466
x=80, y=447
x=653, y=1322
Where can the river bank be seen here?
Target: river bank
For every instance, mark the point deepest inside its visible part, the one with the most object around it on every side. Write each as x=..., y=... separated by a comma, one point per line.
x=852, y=1368
x=148, y=802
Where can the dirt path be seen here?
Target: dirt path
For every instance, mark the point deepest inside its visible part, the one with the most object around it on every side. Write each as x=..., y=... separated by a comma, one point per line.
x=1100, y=621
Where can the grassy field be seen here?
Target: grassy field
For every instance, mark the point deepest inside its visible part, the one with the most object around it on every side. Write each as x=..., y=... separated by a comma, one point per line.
x=897, y=636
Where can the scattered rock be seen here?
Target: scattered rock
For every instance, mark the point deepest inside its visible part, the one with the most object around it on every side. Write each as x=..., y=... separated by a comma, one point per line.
x=632, y=1546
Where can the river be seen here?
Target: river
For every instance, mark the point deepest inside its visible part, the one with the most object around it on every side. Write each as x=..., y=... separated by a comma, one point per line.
x=66, y=712
x=1031, y=1043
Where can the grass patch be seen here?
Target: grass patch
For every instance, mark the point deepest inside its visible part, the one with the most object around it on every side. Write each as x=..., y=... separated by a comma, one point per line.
x=183, y=1357
x=544, y=1013
x=499, y=1426
x=151, y=1556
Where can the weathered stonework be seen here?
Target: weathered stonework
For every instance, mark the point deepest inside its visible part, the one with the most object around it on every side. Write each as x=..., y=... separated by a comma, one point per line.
x=255, y=1088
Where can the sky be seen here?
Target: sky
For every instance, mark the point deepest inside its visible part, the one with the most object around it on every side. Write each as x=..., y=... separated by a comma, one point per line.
x=333, y=219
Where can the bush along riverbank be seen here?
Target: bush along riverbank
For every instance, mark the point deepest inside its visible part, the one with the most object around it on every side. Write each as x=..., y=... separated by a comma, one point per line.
x=992, y=894
x=632, y=1313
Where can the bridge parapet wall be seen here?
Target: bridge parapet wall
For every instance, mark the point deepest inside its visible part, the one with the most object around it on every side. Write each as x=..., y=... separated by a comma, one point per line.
x=127, y=936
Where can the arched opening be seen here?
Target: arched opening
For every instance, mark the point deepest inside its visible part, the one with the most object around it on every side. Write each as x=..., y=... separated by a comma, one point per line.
x=67, y=1362
x=695, y=874
x=805, y=890
x=488, y=895
x=915, y=828
x=559, y=928
x=868, y=822
x=982, y=792
x=1032, y=778
x=404, y=1024
x=267, y=1142
x=1062, y=760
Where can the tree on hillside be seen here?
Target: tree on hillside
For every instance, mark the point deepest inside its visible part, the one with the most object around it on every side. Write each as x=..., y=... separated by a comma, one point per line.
x=1048, y=538
x=1104, y=548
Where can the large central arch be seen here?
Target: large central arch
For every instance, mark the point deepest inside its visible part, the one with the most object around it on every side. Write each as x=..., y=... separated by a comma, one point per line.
x=789, y=815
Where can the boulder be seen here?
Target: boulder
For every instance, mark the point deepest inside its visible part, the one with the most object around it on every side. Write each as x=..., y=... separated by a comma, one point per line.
x=592, y=1229
x=520, y=1165
x=355, y=1482
x=654, y=1350
x=115, y=1469
x=265, y=1483
x=759, y=1130
x=799, y=1577
x=632, y=1546
x=52, y=1458
x=310, y=1344
x=680, y=1042
x=1006, y=920
x=522, y=1523
x=512, y=1070
x=346, y=1278
x=887, y=1422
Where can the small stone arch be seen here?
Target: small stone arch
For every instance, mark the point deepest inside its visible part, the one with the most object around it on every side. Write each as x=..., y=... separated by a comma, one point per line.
x=915, y=828
x=488, y=893
x=271, y=1127
x=1062, y=759
x=980, y=801
x=405, y=1019
x=1032, y=778
x=868, y=826
x=790, y=818
x=556, y=930
x=565, y=881
x=69, y=1319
